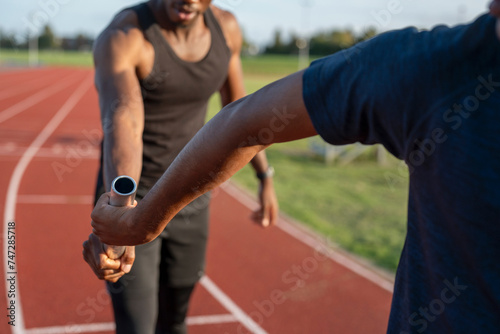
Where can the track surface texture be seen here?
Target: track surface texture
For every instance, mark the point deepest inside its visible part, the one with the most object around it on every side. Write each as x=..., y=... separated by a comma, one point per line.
x=276, y=280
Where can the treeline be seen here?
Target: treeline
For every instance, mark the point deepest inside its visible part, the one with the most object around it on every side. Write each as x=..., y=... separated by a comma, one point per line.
x=320, y=44
x=47, y=40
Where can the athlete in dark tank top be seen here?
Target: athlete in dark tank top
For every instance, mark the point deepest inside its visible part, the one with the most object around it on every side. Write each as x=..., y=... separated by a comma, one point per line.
x=157, y=64
x=175, y=94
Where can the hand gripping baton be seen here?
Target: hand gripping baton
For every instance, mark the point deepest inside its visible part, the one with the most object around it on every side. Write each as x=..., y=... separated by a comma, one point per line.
x=123, y=191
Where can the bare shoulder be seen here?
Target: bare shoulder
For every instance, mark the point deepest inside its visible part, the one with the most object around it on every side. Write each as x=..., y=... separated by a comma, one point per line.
x=122, y=41
x=230, y=27
x=226, y=19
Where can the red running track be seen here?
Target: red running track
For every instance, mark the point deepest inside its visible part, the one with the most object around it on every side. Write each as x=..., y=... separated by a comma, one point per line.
x=277, y=280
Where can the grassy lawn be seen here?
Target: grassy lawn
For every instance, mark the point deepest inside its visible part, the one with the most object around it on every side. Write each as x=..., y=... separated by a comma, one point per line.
x=353, y=206
x=361, y=206
x=47, y=58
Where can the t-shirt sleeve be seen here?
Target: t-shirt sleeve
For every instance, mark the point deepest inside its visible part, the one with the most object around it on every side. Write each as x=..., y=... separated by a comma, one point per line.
x=362, y=94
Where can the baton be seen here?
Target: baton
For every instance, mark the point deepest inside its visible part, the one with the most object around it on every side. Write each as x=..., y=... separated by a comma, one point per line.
x=123, y=190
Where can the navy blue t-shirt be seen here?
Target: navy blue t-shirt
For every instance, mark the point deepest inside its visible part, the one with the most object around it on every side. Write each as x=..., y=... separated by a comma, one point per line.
x=432, y=98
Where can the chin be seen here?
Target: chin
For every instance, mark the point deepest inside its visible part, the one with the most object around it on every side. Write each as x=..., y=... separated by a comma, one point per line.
x=187, y=23
x=180, y=21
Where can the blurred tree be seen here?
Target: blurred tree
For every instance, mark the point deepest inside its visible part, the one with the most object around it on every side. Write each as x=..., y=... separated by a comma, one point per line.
x=320, y=44
x=331, y=42
x=84, y=42
x=47, y=39
x=277, y=39
x=278, y=46
x=367, y=34
x=247, y=47
x=7, y=41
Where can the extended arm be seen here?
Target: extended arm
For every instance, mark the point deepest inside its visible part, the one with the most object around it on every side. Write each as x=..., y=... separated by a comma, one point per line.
x=122, y=111
x=122, y=115
x=222, y=147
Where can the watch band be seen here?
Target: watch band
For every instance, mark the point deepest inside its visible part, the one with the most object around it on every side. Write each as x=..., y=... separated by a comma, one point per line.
x=266, y=174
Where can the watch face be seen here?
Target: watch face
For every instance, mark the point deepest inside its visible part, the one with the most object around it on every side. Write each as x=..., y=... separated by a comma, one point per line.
x=268, y=173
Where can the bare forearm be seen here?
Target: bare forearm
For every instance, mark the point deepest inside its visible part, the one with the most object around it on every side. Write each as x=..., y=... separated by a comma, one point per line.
x=226, y=144
x=122, y=154
x=122, y=115
x=259, y=162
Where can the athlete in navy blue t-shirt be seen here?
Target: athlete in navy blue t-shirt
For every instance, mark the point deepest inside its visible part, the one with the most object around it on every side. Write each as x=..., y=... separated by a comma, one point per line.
x=432, y=98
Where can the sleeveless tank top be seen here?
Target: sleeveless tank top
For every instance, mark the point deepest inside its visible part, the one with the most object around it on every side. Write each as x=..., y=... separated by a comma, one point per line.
x=175, y=95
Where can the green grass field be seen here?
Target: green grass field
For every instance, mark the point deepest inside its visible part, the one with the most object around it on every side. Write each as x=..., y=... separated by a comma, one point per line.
x=361, y=206
x=47, y=58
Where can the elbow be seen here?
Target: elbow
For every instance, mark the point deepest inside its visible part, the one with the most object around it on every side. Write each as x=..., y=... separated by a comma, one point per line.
x=252, y=124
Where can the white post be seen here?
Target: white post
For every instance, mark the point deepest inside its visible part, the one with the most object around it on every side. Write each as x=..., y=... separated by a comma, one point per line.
x=303, y=42
x=32, y=47
x=33, y=51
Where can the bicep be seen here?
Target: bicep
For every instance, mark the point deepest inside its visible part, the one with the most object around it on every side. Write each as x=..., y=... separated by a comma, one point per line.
x=233, y=88
x=117, y=84
x=275, y=113
x=286, y=114
x=120, y=96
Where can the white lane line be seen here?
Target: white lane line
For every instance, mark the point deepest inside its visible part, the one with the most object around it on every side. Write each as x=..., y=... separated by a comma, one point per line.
x=26, y=86
x=337, y=257
x=14, y=71
x=86, y=328
x=54, y=199
x=316, y=244
x=12, y=150
x=15, y=181
x=110, y=326
x=225, y=301
x=211, y=319
x=34, y=99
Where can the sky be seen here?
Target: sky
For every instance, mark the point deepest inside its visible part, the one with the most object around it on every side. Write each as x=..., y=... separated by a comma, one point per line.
x=259, y=18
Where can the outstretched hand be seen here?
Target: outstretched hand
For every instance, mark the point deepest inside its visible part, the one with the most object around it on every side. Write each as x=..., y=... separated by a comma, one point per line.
x=104, y=267
x=267, y=214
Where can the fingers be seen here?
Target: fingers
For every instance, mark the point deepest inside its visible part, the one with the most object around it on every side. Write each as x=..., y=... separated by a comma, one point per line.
x=107, y=218
x=113, y=278
x=103, y=201
x=256, y=216
x=268, y=213
x=96, y=214
x=273, y=214
x=127, y=260
x=261, y=217
x=101, y=259
x=265, y=216
x=102, y=266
